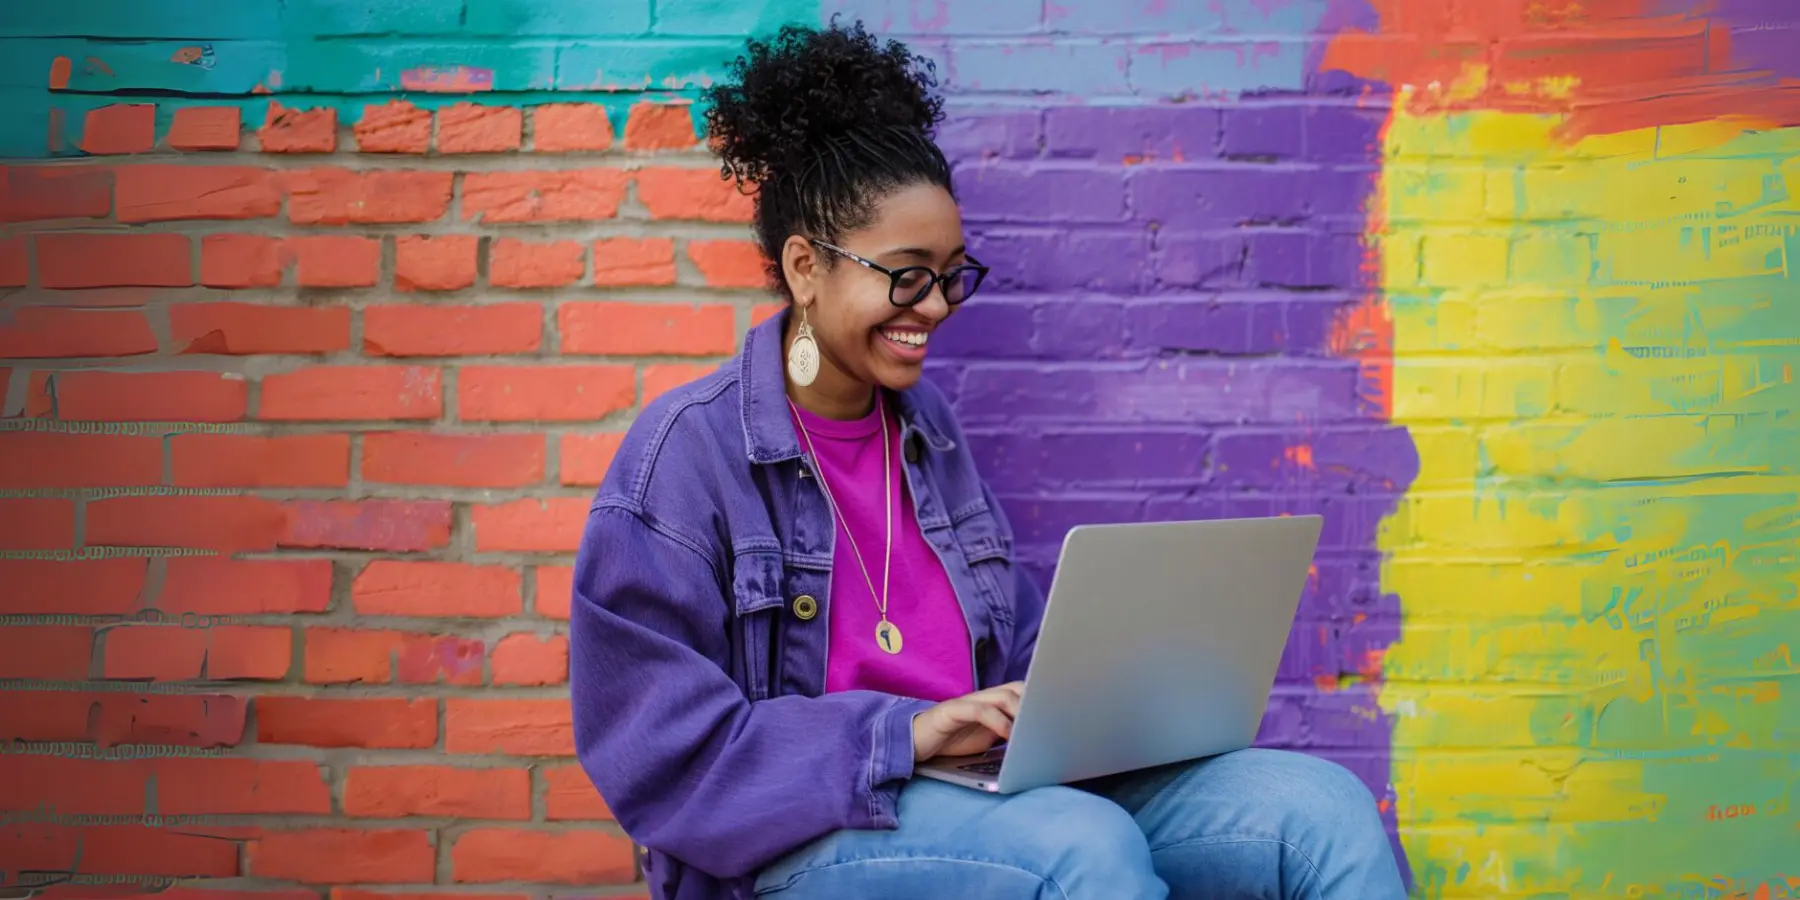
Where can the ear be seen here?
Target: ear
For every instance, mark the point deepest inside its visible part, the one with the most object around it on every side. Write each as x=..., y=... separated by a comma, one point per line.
x=801, y=266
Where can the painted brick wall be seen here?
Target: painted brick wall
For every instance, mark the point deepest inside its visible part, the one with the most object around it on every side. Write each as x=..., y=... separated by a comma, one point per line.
x=321, y=319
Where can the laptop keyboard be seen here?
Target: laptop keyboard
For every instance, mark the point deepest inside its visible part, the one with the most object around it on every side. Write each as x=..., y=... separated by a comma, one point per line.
x=982, y=768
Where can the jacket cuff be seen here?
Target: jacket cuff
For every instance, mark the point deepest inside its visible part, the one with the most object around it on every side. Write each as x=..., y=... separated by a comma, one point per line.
x=892, y=764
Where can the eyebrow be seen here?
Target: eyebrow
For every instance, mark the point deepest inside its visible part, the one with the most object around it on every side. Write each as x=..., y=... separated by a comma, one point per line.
x=921, y=253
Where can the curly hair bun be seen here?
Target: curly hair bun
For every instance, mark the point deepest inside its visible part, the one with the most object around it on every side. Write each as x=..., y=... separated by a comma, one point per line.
x=790, y=95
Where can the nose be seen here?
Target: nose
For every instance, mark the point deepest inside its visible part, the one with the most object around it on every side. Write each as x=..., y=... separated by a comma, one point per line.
x=935, y=306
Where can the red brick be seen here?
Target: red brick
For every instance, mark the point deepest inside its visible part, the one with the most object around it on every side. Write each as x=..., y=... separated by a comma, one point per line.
x=697, y=194
x=471, y=128
x=511, y=727
x=586, y=457
x=15, y=261
x=345, y=656
x=763, y=312
x=485, y=855
x=622, y=262
x=36, y=523
x=338, y=855
x=548, y=525
x=665, y=377
x=377, y=724
x=38, y=332
x=729, y=264
x=527, y=659
x=499, y=328
x=111, y=718
x=526, y=264
x=79, y=787
x=454, y=460
x=224, y=524
x=393, y=127
x=47, y=652
x=120, y=128
x=395, y=526
x=558, y=196
x=212, y=585
x=660, y=126
x=47, y=459
x=424, y=588
x=240, y=329
x=570, y=127
x=299, y=131
x=570, y=794
x=342, y=197
x=142, y=850
x=243, y=460
x=435, y=263
x=356, y=894
x=91, y=260
x=240, y=261
x=544, y=393
x=555, y=591
x=194, y=786
x=325, y=393
x=72, y=586
x=647, y=329
x=206, y=128
x=158, y=193
x=336, y=261
x=31, y=193
x=165, y=653
x=139, y=396
x=393, y=792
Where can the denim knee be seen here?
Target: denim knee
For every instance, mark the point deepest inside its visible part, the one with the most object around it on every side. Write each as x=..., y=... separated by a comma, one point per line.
x=1084, y=844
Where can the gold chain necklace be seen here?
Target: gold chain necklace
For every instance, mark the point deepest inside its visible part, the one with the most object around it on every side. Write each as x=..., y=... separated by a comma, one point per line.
x=887, y=634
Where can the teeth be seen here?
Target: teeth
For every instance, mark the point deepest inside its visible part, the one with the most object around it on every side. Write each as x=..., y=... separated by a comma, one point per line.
x=910, y=338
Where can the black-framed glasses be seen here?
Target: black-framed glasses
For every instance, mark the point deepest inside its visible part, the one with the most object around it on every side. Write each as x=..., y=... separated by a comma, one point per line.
x=910, y=285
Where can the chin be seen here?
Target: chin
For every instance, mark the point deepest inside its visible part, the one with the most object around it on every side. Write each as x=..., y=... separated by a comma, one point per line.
x=899, y=378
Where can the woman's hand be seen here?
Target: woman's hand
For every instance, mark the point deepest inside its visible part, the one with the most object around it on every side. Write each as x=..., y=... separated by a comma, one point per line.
x=967, y=725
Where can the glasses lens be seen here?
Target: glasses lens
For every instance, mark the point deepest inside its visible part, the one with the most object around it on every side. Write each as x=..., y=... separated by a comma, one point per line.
x=911, y=284
x=963, y=282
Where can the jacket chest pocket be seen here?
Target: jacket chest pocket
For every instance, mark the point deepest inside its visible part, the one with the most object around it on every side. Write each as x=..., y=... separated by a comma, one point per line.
x=757, y=601
x=990, y=558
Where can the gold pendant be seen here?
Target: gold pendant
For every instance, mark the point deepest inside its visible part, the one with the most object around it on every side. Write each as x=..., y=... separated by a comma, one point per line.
x=887, y=636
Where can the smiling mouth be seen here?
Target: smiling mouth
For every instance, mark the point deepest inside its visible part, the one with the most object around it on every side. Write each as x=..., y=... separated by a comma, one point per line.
x=906, y=338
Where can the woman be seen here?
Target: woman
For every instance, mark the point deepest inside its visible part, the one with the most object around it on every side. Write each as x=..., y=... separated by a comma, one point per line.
x=794, y=585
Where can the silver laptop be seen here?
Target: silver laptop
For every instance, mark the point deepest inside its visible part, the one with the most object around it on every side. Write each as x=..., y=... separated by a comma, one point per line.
x=1159, y=644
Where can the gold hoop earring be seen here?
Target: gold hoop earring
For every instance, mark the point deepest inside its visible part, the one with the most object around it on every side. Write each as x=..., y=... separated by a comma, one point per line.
x=803, y=354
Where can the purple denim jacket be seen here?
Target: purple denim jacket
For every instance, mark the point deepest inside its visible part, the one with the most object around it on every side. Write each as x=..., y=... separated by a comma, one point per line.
x=698, y=683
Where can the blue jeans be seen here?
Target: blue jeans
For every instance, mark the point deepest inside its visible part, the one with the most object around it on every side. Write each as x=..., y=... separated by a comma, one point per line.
x=1250, y=824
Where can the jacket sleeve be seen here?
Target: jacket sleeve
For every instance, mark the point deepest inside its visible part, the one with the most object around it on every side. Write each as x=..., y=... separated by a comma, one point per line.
x=687, y=764
x=1027, y=599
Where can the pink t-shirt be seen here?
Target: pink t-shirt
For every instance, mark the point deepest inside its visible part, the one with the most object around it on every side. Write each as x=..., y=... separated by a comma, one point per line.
x=934, y=662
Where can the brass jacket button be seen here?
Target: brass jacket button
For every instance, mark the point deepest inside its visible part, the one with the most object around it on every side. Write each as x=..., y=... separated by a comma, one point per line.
x=805, y=607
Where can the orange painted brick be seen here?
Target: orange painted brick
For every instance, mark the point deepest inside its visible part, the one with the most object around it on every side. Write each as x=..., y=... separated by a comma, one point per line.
x=15, y=261
x=72, y=586
x=324, y=393
x=584, y=856
x=194, y=786
x=544, y=393
x=225, y=652
x=586, y=457
x=428, y=588
x=156, y=193
x=660, y=126
x=342, y=855
x=238, y=329
x=37, y=332
x=345, y=655
x=621, y=262
x=143, y=850
x=393, y=127
x=547, y=525
x=665, y=377
x=647, y=329
x=527, y=264
x=206, y=128
x=435, y=263
x=109, y=718
x=392, y=792
x=299, y=131
x=512, y=727
x=473, y=128
x=47, y=459
x=696, y=194
x=79, y=787
x=395, y=723
x=139, y=396
x=555, y=591
x=338, y=893
x=730, y=264
x=454, y=460
x=573, y=195
x=500, y=328
x=527, y=659
x=393, y=526
x=32, y=193
x=763, y=312
x=47, y=652
x=335, y=261
x=36, y=523
x=120, y=128
x=240, y=261
x=207, y=523
x=245, y=460
x=212, y=585
x=570, y=128
x=570, y=794
x=89, y=260
x=342, y=197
